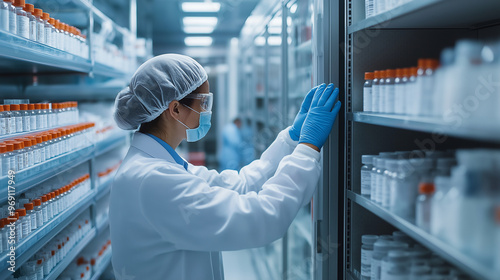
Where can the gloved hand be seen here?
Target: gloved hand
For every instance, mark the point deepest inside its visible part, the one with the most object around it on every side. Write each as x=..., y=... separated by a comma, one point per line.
x=301, y=116
x=321, y=116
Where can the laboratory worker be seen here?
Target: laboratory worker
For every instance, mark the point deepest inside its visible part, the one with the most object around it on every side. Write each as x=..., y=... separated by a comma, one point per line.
x=170, y=220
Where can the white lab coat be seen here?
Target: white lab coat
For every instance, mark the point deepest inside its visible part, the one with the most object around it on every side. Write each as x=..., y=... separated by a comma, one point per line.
x=169, y=223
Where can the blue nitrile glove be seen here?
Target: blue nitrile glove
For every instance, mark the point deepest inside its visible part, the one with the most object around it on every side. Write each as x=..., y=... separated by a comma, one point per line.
x=301, y=116
x=321, y=116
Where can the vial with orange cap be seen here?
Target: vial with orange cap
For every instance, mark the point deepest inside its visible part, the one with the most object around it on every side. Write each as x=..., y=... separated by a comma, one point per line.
x=17, y=117
x=25, y=114
x=40, y=26
x=389, y=94
x=8, y=158
x=410, y=90
x=375, y=91
x=424, y=205
x=20, y=154
x=51, y=34
x=425, y=87
x=22, y=20
x=399, y=90
x=367, y=92
x=382, y=91
x=30, y=13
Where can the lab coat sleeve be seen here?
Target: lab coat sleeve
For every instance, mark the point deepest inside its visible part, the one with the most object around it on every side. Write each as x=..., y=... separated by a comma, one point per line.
x=252, y=176
x=192, y=215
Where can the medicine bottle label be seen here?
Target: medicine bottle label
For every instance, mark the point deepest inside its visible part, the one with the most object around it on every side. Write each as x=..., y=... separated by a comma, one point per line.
x=4, y=19
x=367, y=99
x=366, y=260
x=48, y=36
x=33, y=30
x=19, y=124
x=365, y=182
x=23, y=26
x=12, y=22
x=375, y=269
x=40, y=32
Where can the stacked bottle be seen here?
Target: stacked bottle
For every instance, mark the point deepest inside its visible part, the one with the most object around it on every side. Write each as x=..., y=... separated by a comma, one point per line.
x=16, y=118
x=34, y=149
x=26, y=21
x=32, y=214
x=90, y=261
x=44, y=261
x=460, y=89
x=397, y=257
x=451, y=195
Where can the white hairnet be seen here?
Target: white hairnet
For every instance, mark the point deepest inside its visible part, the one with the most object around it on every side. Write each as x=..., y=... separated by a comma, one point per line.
x=154, y=85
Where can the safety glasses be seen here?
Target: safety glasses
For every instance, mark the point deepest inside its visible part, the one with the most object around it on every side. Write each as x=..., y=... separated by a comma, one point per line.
x=206, y=100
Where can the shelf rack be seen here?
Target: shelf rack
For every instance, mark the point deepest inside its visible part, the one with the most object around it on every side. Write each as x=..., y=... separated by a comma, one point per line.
x=71, y=255
x=433, y=14
x=465, y=262
x=29, y=246
x=382, y=42
x=429, y=125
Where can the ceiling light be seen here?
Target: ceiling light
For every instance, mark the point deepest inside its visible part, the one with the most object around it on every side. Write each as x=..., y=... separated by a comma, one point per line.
x=274, y=29
x=293, y=8
x=200, y=7
x=260, y=41
x=274, y=40
x=199, y=29
x=198, y=41
x=203, y=21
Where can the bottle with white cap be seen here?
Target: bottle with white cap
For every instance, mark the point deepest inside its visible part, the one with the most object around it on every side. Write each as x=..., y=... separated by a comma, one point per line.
x=366, y=169
x=366, y=255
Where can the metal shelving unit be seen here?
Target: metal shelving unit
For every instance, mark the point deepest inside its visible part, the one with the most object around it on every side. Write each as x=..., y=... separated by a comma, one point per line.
x=465, y=262
x=396, y=38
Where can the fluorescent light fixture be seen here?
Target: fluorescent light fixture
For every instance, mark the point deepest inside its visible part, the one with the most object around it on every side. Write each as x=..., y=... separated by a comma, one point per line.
x=293, y=8
x=274, y=29
x=260, y=41
x=199, y=29
x=200, y=7
x=274, y=40
x=275, y=21
x=198, y=41
x=200, y=21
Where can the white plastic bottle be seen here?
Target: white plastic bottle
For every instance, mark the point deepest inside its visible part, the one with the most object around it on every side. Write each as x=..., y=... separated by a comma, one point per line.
x=425, y=88
x=18, y=118
x=37, y=203
x=40, y=26
x=30, y=10
x=382, y=91
x=366, y=255
x=4, y=16
x=367, y=92
x=23, y=22
x=26, y=116
x=390, y=91
x=399, y=87
x=375, y=92
x=12, y=17
x=410, y=91
x=366, y=171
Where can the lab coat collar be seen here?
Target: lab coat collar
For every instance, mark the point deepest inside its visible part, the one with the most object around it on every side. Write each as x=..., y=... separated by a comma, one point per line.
x=155, y=149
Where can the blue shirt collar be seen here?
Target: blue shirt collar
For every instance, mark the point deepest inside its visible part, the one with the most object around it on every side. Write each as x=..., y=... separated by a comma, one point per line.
x=171, y=151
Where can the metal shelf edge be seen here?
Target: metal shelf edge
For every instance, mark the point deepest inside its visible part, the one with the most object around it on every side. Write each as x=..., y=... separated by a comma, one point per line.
x=386, y=16
x=446, y=251
x=429, y=125
x=58, y=223
x=71, y=255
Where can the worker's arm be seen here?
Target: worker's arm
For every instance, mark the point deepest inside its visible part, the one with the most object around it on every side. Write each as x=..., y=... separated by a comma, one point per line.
x=193, y=215
x=252, y=176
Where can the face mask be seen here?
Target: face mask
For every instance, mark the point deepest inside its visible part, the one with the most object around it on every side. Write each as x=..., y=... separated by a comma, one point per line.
x=195, y=134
